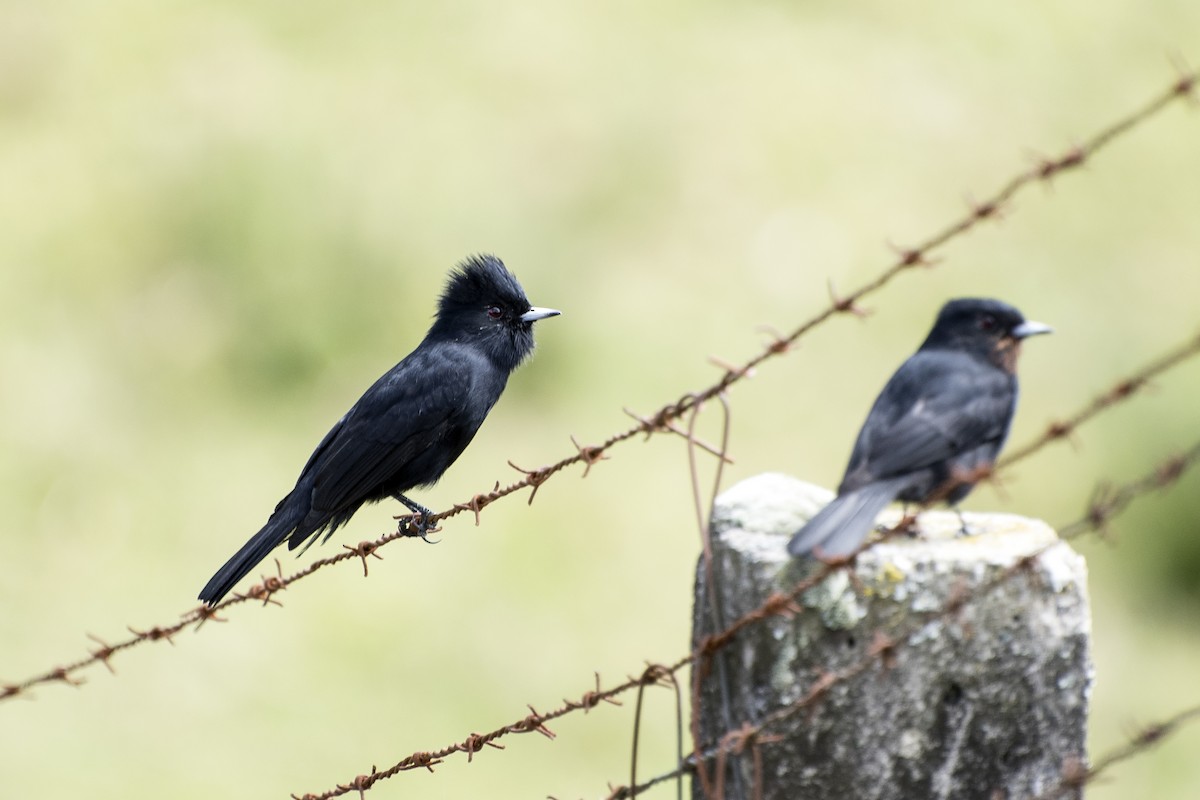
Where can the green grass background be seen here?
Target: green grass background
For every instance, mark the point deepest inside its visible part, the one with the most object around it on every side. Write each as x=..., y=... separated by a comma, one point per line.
x=221, y=221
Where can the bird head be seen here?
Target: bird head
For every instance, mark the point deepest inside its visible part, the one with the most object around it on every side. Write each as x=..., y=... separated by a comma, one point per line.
x=485, y=306
x=989, y=328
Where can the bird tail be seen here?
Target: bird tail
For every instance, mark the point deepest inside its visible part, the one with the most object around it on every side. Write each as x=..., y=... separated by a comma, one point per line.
x=281, y=523
x=840, y=527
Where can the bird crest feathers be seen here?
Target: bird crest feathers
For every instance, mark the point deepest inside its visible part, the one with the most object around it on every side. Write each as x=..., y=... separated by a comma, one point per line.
x=480, y=280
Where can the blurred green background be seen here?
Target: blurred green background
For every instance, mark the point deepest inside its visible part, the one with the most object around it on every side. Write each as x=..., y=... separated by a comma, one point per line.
x=222, y=221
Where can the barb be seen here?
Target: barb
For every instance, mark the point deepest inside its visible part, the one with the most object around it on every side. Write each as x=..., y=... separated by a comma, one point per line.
x=1076, y=774
x=665, y=419
x=1107, y=501
x=1120, y=391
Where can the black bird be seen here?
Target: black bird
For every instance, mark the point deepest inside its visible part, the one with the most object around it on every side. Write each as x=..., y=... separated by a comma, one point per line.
x=412, y=423
x=944, y=414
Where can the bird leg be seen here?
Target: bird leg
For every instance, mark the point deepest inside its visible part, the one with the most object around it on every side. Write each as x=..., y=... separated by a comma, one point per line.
x=907, y=525
x=419, y=523
x=963, y=530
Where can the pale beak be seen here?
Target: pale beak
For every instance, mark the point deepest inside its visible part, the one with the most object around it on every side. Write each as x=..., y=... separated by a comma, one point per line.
x=535, y=313
x=1030, y=328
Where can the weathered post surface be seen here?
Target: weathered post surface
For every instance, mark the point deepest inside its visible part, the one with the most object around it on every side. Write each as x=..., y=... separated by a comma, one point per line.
x=987, y=702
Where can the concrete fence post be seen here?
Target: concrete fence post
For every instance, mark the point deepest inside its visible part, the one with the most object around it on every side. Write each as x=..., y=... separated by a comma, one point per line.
x=990, y=702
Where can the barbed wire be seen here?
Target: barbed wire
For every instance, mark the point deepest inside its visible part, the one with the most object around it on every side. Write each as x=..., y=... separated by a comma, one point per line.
x=1076, y=773
x=884, y=648
x=534, y=721
x=662, y=421
x=1107, y=501
x=1121, y=391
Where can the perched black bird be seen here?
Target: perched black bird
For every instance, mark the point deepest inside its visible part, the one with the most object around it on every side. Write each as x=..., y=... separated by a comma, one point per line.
x=413, y=423
x=945, y=413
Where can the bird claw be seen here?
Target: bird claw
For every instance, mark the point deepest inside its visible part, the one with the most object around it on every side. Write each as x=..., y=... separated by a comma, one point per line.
x=963, y=530
x=417, y=525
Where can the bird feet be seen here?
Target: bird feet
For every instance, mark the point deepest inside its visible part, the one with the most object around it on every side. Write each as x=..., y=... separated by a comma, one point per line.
x=963, y=530
x=419, y=523
x=906, y=526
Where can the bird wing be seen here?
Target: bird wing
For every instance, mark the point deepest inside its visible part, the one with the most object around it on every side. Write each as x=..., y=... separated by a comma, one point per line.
x=936, y=406
x=415, y=404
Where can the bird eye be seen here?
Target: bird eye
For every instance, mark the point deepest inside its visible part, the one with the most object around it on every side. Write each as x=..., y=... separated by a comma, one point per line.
x=494, y=312
x=987, y=322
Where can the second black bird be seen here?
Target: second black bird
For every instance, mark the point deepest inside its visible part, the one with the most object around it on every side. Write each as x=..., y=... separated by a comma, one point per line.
x=943, y=415
x=412, y=423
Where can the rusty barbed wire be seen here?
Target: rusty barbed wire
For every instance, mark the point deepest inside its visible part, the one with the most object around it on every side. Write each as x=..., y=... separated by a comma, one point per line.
x=883, y=648
x=663, y=420
x=1107, y=501
x=1120, y=391
x=1076, y=773
x=533, y=721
